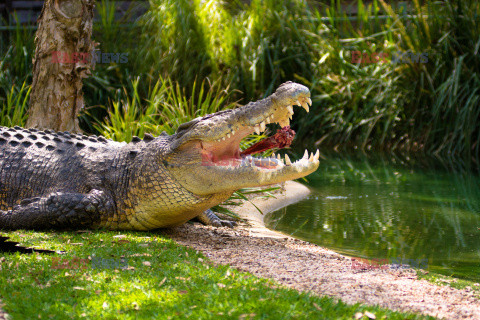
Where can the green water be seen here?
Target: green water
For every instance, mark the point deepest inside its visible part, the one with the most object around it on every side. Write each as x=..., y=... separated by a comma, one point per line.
x=426, y=214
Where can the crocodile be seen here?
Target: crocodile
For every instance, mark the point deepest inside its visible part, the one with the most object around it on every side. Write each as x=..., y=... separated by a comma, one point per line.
x=61, y=180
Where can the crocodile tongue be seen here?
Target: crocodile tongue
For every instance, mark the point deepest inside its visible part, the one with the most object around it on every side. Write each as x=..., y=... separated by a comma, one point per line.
x=282, y=139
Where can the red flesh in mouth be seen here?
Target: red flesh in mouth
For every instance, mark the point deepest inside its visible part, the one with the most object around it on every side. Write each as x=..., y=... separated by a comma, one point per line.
x=282, y=139
x=229, y=154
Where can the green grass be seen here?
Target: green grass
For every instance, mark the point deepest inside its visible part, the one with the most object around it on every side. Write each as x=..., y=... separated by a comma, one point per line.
x=443, y=280
x=157, y=278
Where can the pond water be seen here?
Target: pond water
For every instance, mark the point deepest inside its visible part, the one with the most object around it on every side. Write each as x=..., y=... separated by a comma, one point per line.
x=425, y=214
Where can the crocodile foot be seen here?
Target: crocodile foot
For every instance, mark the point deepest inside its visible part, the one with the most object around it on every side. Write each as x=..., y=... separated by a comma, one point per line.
x=209, y=218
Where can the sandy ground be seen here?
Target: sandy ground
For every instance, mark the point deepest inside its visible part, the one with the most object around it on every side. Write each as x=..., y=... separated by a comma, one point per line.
x=303, y=266
x=3, y=314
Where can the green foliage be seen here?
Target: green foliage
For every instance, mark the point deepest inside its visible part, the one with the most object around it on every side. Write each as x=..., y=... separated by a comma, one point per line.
x=414, y=106
x=127, y=118
x=135, y=275
x=13, y=112
x=15, y=75
x=446, y=108
x=172, y=42
x=254, y=48
x=16, y=52
x=272, y=45
x=165, y=108
x=114, y=34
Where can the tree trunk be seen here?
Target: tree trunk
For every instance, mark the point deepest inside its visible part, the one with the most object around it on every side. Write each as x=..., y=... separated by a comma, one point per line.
x=62, y=59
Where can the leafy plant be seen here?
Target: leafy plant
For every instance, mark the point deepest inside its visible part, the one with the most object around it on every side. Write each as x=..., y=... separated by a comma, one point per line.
x=166, y=107
x=13, y=112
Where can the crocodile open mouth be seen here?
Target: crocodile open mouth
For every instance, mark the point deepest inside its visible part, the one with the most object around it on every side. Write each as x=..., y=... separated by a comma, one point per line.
x=226, y=152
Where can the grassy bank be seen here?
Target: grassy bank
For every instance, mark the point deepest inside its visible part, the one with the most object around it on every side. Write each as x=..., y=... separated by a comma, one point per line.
x=138, y=275
x=249, y=49
x=443, y=280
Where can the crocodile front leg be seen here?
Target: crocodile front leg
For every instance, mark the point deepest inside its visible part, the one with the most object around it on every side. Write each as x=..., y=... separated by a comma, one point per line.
x=58, y=210
x=210, y=219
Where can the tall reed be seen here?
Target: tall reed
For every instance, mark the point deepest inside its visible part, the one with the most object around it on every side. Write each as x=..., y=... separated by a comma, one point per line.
x=164, y=109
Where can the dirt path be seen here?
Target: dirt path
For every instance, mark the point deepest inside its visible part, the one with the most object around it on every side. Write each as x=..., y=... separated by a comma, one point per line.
x=3, y=314
x=307, y=267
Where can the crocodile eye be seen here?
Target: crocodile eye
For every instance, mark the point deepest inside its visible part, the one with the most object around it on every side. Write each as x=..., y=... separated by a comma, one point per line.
x=188, y=125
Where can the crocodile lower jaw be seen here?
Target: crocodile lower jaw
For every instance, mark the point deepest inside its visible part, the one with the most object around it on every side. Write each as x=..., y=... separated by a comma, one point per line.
x=271, y=163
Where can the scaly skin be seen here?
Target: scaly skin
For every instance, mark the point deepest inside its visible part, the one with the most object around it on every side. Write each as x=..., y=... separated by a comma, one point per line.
x=62, y=180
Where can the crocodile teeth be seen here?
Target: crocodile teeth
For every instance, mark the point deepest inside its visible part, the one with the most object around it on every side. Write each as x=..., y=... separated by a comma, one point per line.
x=233, y=132
x=228, y=136
x=312, y=157
x=317, y=155
x=262, y=126
x=279, y=158
x=290, y=112
x=284, y=122
x=257, y=129
x=309, y=101
x=287, y=160
x=305, y=156
x=305, y=106
x=223, y=139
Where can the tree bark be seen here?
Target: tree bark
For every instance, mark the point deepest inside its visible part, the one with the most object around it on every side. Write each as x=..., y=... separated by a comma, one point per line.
x=63, y=43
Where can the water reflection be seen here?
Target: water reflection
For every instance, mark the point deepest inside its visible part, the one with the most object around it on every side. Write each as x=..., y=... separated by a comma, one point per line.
x=392, y=209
